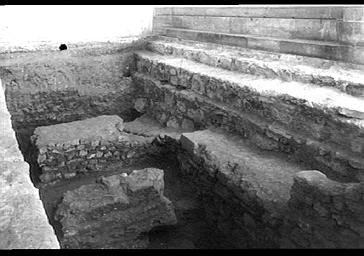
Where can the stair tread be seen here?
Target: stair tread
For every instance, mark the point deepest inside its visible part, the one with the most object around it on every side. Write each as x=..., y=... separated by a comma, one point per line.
x=314, y=48
x=326, y=98
x=269, y=173
x=307, y=41
x=307, y=65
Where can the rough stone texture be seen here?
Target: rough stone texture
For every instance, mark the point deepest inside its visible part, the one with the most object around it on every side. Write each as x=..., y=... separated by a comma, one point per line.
x=272, y=122
x=343, y=76
x=114, y=212
x=244, y=190
x=53, y=87
x=70, y=149
x=23, y=221
x=248, y=194
x=329, y=214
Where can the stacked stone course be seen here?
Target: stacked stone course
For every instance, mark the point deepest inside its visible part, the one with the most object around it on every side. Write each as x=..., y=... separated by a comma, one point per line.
x=70, y=149
x=115, y=211
x=328, y=213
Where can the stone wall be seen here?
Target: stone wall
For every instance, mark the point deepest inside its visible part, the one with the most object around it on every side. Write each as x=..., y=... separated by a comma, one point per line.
x=182, y=108
x=23, y=221
x=327, y=214
x=115, y=212
x=66, y=150
x=272, y=28
x=320, y=213
x=50, y=87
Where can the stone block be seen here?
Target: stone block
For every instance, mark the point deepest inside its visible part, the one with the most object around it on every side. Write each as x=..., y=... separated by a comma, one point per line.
x=115, y=211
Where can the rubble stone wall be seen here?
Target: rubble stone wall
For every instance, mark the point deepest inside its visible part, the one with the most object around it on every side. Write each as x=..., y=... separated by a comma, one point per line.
x=321, y=213
x=182, y=108
x=327, y=214
x=66, y=150
x=114, y=212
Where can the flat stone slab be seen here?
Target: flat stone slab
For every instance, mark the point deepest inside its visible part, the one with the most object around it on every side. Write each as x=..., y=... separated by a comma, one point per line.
x=101, y=127
x=113, y=212
x=266, y=174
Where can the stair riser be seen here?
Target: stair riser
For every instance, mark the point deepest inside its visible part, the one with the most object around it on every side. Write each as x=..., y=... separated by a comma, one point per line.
x=293, y=115
x=173, y=107
x=259, y=68
x=331, y=52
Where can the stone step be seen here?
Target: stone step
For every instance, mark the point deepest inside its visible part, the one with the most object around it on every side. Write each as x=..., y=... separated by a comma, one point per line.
x=311, y=48
x=343, y=76
x=320, y=113
x=174, y=107
x=233, y=161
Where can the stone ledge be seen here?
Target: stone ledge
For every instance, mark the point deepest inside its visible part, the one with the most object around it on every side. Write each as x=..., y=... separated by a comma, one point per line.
x=311, y=48
x=269, y=65
x=23, y=221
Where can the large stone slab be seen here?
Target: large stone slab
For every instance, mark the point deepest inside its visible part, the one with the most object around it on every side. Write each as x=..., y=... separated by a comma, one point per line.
x=114, y=212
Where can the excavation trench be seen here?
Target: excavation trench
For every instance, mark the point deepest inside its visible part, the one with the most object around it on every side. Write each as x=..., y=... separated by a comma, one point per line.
x=190, y=231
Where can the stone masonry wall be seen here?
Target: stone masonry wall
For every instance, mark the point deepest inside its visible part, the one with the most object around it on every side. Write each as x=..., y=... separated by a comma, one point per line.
x=181, y=108
x=114, y=212
x=66, y=150
x=23, y=221
x=326, y=214
x=321, y=213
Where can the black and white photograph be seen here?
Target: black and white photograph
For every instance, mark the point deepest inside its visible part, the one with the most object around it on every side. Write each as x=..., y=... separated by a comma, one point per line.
x=182, y=126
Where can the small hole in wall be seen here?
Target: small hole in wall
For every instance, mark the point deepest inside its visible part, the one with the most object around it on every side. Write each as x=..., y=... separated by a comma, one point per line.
x=62, y=47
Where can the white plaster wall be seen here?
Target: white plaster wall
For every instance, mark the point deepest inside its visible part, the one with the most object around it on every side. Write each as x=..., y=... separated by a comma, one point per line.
x=21, y=24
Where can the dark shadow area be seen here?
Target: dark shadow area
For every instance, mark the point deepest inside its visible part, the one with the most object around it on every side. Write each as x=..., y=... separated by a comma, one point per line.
x=62, y=47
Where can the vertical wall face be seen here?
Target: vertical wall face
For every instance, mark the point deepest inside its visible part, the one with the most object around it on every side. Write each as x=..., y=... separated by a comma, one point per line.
x=332, y=32
x=28, y=25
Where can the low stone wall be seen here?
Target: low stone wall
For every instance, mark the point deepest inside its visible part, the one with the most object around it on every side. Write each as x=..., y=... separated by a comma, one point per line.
x=23, y=221
x=320, y=213
x=327, y=214
x=113, y=213
x=181, y=108
x=70, y=149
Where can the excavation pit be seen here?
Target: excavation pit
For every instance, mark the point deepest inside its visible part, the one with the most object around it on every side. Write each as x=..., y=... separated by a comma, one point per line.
x=237, y=159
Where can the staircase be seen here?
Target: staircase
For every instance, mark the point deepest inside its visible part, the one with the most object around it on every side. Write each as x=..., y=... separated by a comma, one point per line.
x=260, y=118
